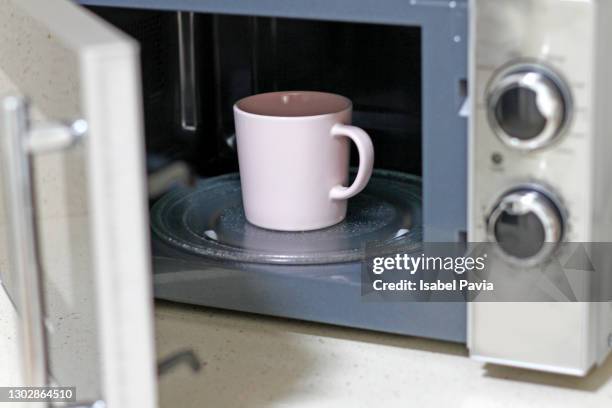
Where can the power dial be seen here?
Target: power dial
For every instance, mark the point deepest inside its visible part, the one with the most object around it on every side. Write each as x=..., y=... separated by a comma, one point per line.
x=527, y=224
x=528, y=106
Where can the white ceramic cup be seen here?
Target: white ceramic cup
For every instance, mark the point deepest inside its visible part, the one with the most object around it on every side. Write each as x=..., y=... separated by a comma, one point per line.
x=293, y=154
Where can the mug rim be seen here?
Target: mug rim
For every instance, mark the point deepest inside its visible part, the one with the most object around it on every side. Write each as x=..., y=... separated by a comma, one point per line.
x=349, y=105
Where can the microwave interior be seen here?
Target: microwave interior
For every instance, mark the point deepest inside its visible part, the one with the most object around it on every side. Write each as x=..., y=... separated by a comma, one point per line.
x=230, y=57
x=195, y=66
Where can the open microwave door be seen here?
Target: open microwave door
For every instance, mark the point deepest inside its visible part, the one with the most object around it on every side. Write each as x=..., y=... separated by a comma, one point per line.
x=74, y=255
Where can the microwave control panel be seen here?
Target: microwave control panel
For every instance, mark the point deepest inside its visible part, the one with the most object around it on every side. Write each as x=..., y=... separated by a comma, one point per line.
x=536, y=175
x=530, y=118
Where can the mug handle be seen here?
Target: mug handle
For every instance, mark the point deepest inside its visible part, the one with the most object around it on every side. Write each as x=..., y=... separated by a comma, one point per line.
x=366, y=161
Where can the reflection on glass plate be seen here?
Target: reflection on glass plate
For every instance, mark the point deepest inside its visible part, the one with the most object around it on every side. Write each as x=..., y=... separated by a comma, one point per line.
x=209, y=221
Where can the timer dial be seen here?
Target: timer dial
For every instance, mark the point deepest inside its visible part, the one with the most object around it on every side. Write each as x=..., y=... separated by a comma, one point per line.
x=527, y=224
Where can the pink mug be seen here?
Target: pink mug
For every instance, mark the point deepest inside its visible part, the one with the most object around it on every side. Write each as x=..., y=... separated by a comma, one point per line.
x=293, y=154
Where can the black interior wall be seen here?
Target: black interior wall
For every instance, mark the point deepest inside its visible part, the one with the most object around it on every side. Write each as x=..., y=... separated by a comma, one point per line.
x=378, y=67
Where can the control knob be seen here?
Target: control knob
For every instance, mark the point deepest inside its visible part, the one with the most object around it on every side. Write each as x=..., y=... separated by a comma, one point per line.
x=528, y=107
x=527, y=225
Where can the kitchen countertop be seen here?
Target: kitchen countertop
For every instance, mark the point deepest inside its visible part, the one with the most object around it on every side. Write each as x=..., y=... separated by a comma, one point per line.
x=262, y=362
x=257, y=361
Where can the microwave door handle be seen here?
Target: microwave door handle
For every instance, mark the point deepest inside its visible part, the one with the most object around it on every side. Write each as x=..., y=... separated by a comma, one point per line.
x=18, y=142
x=23, y=251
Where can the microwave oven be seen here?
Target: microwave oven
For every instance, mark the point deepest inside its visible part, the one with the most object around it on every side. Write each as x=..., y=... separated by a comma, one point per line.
x=110, y=102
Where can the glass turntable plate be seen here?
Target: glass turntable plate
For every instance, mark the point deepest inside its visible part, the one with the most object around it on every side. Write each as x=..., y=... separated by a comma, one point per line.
x=209, y=221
